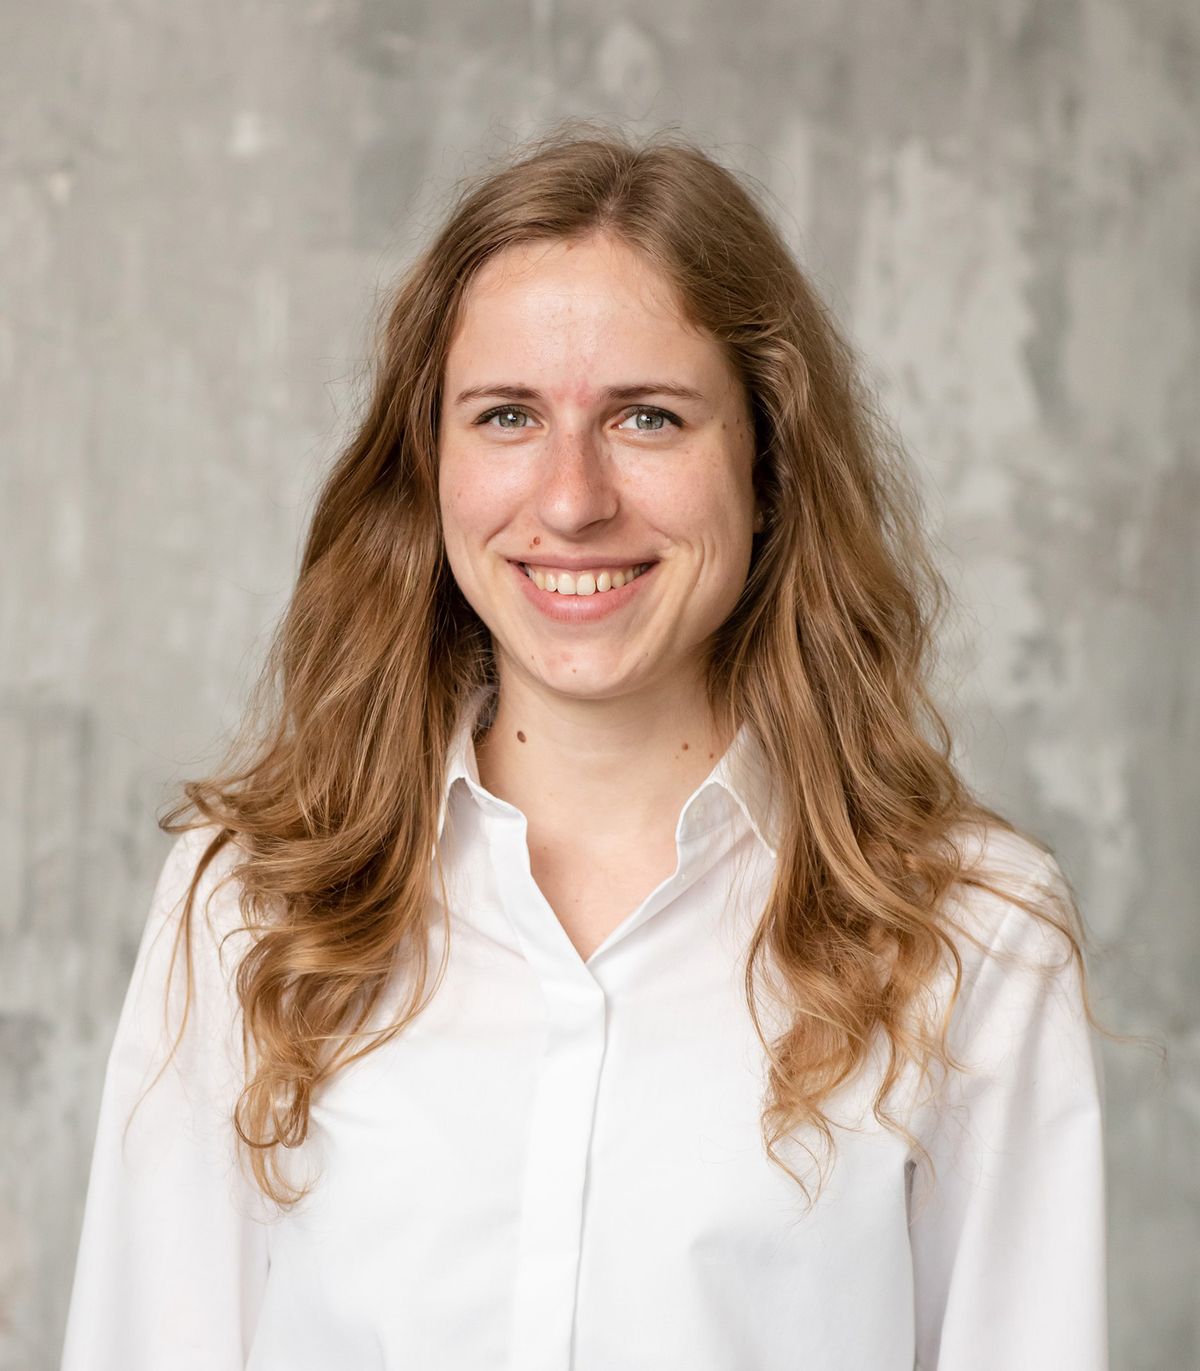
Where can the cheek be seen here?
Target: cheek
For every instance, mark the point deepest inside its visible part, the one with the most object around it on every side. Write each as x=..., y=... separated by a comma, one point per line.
x=472, y=499
x=460, y=511
x=702, y=506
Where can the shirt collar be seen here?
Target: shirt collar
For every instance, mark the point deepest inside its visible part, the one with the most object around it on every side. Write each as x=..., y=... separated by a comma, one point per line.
x=741, y=772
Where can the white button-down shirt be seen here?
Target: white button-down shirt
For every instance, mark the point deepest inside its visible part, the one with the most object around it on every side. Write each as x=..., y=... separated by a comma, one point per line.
x=558, y=1165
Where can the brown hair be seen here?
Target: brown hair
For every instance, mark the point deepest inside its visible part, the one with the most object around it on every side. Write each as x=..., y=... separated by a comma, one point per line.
x=825, y=656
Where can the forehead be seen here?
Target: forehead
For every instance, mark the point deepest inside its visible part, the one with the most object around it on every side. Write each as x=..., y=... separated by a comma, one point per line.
x=579, y=262
x=581, y=306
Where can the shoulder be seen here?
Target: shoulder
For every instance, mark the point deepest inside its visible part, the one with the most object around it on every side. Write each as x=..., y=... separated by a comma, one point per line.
x=184, y=858
x=216, y=932
x=1024, y=918
x=187, y=850
x=176, y=1058
x=1021, y=989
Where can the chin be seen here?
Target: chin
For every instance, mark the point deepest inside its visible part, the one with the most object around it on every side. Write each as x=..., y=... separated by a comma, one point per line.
x=576, y=677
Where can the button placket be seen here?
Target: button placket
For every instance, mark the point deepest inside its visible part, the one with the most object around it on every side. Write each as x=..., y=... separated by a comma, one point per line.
x=562, y=1116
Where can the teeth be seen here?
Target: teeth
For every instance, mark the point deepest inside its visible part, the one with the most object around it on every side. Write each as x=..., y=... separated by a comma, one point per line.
x=566, y=583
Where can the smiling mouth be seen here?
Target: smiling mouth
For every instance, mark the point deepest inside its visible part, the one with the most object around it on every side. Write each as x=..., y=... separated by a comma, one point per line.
x=584, y=583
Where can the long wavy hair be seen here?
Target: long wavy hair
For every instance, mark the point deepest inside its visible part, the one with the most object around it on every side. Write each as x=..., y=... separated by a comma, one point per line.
x=825, y=656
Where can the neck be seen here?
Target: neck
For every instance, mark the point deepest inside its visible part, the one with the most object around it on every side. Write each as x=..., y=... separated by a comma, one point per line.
x=590, y=773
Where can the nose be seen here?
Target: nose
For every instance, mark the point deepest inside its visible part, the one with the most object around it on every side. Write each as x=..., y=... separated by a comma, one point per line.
x=576, y=484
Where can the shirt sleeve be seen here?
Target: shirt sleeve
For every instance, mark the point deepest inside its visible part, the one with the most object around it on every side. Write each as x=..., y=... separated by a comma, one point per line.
x=172, y=1258
x=1008, y=1245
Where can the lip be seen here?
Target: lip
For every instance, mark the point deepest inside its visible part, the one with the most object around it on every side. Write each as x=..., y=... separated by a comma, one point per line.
x=588, y=563
x=580, y=609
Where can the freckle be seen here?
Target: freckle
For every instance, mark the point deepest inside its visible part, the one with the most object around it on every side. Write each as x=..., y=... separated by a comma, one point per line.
x=711, y=755
x=520, y=736
x=685, y=747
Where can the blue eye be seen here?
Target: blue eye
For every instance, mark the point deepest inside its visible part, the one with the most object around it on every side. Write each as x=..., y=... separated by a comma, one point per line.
x=663, y=416
x=659, y=418
x=505, y=410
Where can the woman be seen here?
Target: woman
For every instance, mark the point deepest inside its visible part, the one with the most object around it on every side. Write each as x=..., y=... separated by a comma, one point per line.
x=602, y=968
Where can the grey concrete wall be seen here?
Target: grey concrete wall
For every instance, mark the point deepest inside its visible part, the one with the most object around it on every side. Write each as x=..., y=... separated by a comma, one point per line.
x=199, y=203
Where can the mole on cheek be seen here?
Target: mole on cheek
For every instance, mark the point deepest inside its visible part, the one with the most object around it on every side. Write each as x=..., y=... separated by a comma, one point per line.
x=520, y=736
x=535, y=542
x=685, y=747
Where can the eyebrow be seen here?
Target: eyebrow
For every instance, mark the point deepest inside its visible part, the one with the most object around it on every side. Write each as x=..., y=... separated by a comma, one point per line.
x=630, y=392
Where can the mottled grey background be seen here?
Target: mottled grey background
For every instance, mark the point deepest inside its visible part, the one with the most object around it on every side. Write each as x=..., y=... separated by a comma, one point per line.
x=199, y=206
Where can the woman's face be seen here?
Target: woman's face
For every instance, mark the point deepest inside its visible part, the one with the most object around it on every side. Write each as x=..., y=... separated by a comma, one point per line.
x=586, y=428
